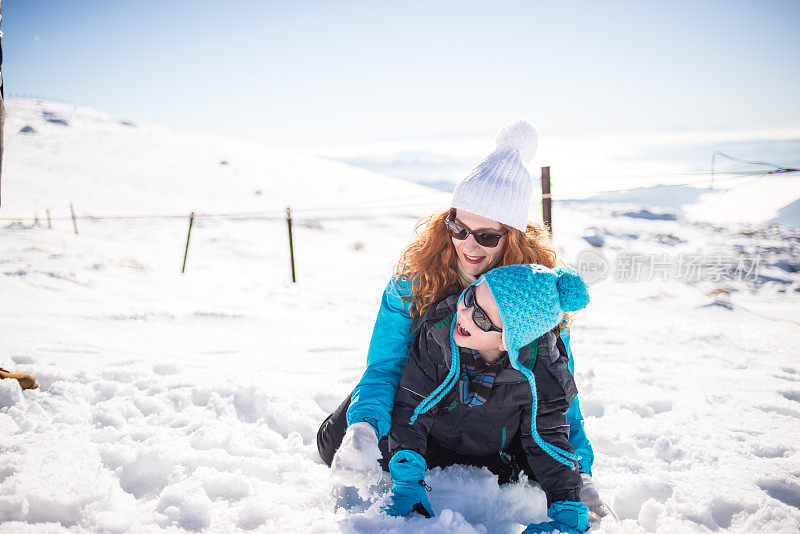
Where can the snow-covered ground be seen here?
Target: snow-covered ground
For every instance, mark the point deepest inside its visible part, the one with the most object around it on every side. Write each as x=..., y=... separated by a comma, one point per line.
x=192, y=401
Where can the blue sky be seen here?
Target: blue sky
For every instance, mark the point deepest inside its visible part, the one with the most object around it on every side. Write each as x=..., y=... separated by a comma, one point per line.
x=307, y=72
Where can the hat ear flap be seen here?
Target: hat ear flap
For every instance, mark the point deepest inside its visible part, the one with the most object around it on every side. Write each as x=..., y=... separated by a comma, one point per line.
x=573, y=295
x=500, y=308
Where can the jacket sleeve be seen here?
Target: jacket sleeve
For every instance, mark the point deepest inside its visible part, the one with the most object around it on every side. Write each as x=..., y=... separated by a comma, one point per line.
x=577, y=434
x=373, y=397
x=558, y=481
x=418, y=380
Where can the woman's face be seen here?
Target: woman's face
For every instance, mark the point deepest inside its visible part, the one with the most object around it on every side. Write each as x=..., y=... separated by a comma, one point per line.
x=475, y=259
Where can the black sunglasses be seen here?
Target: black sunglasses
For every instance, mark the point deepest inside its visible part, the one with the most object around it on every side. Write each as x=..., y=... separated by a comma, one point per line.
x=479, y=316
x=460, y=232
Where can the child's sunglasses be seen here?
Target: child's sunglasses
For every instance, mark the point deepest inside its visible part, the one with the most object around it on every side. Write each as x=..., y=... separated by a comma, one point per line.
x=479, y=316
x=484, y=239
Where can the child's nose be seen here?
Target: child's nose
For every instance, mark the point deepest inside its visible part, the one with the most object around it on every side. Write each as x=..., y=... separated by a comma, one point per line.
x=463, y=317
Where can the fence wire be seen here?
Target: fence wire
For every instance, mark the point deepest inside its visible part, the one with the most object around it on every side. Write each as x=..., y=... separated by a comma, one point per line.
x=273, y=212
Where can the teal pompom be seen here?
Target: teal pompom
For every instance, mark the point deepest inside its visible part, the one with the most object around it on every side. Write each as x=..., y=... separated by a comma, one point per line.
x=573, y=294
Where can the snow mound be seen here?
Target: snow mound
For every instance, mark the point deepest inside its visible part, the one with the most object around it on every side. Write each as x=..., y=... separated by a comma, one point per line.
x=10, y=393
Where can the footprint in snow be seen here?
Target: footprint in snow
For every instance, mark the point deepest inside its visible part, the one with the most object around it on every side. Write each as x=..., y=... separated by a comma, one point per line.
x=786, y=492
x=772, y=451
x=723, y=509
x=790, y=375
x=779, y=410
x=791, y=395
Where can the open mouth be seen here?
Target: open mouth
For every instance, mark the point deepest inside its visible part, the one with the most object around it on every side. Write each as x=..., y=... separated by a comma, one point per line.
x=461, y=332
x=474, y=259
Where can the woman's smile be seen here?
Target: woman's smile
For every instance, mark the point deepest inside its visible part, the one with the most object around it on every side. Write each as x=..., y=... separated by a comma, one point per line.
x=474, y=259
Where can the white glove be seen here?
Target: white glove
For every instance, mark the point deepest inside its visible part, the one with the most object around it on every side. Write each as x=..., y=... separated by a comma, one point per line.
x=591, y=498
x=356, y=461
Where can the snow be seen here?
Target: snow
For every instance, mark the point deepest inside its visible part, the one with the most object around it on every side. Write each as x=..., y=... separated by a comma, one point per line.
x=191, y=402
x=10, y=393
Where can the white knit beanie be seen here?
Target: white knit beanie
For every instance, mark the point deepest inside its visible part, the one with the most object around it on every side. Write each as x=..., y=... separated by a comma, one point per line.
x=500, y=188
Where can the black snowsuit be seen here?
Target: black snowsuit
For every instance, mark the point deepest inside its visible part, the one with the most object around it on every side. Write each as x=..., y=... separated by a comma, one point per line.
x=480, y=431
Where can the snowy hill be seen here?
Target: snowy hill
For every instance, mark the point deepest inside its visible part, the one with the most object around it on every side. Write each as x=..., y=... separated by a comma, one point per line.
x=192, y=402
x=59, y=153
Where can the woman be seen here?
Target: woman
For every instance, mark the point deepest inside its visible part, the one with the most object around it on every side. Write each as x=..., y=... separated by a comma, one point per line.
x=487, y=226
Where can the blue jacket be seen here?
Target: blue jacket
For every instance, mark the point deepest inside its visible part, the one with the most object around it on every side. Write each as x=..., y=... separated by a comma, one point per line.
x=373, y=397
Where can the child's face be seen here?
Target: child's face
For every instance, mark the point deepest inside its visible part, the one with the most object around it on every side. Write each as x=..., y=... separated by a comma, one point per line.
x=467, y=334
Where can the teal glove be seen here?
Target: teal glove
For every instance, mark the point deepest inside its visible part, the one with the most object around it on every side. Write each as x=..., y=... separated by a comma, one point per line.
x=409, y=490
x=567, y=516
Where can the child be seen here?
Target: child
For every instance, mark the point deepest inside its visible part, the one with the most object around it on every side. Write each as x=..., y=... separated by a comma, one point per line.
x=482, y=368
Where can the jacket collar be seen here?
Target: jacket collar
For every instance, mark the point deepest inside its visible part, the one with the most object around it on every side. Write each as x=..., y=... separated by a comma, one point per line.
x=436, y=313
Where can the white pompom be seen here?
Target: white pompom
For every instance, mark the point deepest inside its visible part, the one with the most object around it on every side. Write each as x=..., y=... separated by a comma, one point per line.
x=519, y=135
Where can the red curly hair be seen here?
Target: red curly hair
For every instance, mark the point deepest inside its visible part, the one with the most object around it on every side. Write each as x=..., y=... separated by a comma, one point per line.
x=430, y=260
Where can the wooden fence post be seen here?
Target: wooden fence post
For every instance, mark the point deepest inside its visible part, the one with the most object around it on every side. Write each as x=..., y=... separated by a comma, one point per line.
x=291, y=244
x=188, y=236
x=49, y=225
x=74, y=224
x=547, y=214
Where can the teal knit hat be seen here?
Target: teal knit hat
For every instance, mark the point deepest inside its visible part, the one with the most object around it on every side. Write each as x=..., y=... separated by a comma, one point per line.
x=531, y=300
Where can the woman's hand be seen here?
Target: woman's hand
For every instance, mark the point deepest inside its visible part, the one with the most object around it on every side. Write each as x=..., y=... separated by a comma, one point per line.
x=356, y=461
x=591, y=498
